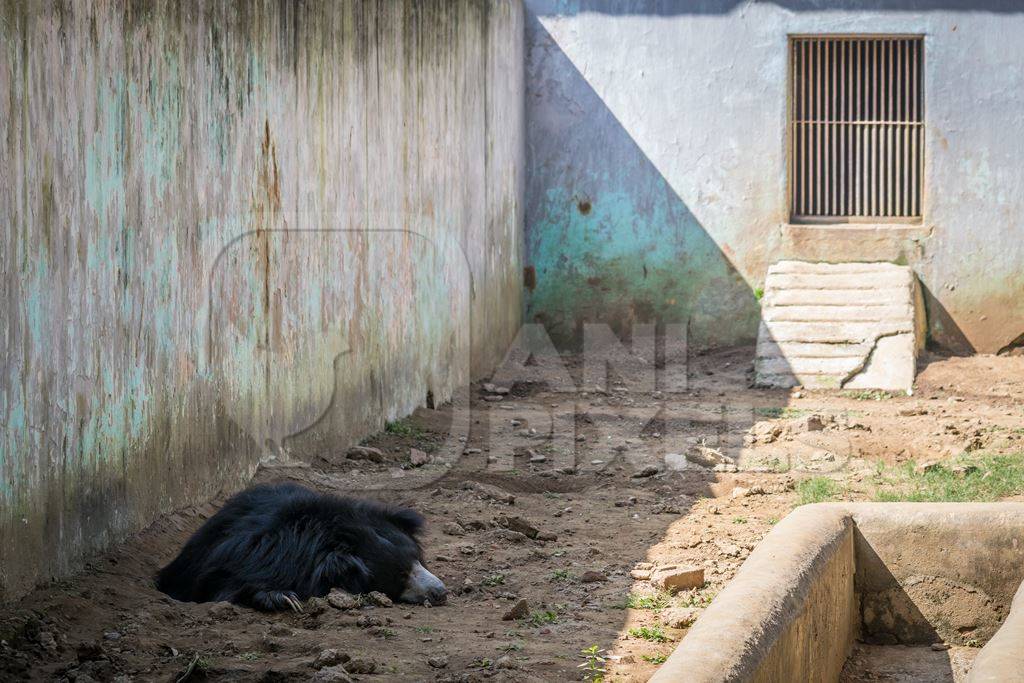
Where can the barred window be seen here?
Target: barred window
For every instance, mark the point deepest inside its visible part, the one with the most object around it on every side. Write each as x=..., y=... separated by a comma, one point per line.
x=856, y=128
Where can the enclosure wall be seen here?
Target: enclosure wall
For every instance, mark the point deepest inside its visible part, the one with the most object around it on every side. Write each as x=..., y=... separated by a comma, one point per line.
x=235, y=229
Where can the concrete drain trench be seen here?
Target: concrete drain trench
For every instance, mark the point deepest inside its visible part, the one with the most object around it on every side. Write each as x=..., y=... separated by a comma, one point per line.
x=869, y=591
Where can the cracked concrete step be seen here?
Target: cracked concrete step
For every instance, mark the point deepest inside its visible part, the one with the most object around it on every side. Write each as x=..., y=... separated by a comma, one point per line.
x=832, y=268
x=881, y=296
x=769, y=348
x=834, y=281
x=850, y=313
x=839, y=325
x=836, y=332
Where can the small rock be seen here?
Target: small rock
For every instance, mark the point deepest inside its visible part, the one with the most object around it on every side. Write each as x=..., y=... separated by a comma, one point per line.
x=453, y=529
x=677, y=577
x=962, y=470
x=591, y=576
x=377, y=599
x=679, y=617
x=813, y=423
x=509, y=536
x=676, y=462
x=641, y=574
x=489, y=492
x=517, y=523
x=740, y=492
x=361, y=666
x=911, y=411
x=547, y=536
x=223, y=610
x=339, y=599
x=725, y=467
x=730, y=549
x=648, y=471
x=47, y=641
x=501, y=391
x=537, y=457
x=472, y=451
x=438, y=661
x=89, y=651
x=927, y=466
x=629, y=502
x=369, y=621
x=493, y=398
x=316, y=606
x=940, y=647
x=706, y=456
x=488, y=387
x=330, y=657
x=112, y=635
x=365, y=453
x=417, y=457
x=331, y=674
x=504, y=662
x=518, y=611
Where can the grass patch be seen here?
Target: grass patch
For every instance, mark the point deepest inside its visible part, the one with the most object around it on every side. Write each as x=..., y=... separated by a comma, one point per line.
x=561, y=575
x=652, y=634
x=817, y=490
x=775, y=412
x=658, y=601
x=405, y=428
x=868, y=395
x=654, y=659
x=985, y=478
x=493, y=580
x=698, y=598
x=544, y=617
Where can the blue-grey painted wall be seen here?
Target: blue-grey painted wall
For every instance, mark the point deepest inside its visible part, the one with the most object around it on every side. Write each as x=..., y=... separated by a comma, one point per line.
x=656, y=158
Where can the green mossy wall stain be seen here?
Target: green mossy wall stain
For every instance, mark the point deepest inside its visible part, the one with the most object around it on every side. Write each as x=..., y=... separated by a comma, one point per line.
x=629, y=259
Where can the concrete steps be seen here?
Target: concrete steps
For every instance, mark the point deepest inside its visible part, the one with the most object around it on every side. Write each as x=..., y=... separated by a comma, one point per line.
x=839, y=325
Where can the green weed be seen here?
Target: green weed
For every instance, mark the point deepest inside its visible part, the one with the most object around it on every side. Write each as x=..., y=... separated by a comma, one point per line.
x=817, y=490
x=653, y=634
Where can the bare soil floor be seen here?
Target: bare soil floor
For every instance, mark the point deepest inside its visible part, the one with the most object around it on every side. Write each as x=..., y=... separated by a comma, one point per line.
x=565, y=522
x=901, y=664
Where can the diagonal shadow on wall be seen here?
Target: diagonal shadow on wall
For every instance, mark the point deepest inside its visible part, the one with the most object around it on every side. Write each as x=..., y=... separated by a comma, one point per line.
x=608, y=240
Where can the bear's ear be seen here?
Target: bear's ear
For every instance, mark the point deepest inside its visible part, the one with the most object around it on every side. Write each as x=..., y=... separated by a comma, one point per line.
x=409, y=521
x=341, y=570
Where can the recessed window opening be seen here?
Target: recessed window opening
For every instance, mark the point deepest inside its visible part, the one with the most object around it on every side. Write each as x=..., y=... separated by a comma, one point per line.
x=856, y=128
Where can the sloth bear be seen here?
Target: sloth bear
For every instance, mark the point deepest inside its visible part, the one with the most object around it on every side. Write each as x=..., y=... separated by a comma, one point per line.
x=273, y=546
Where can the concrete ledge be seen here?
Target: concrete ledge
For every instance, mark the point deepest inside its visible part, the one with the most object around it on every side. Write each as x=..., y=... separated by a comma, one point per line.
x=789, y=614
x=830, y=574
x=1002, y=659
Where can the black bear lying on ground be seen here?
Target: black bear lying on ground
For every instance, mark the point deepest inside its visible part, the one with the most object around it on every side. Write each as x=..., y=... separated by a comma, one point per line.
x=273, y=546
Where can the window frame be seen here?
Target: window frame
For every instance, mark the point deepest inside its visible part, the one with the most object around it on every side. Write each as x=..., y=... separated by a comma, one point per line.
x=811, y=220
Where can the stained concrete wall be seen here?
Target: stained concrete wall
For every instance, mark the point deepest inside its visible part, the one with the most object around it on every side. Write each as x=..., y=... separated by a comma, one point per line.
x=235, y=227
x=657, y=161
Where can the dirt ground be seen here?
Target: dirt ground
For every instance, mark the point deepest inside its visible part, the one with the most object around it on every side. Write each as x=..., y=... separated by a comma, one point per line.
x=517, y=512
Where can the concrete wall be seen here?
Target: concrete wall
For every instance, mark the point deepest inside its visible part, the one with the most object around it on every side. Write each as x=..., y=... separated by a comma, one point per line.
x=789, y=614
x=657, y=158
x=232, y=227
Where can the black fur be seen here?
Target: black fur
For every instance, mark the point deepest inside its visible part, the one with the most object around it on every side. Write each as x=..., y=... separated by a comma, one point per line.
x=273, y=544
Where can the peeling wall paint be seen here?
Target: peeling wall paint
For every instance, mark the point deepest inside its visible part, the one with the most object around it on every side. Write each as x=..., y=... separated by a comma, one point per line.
x=667, y=121
x=237, y=226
